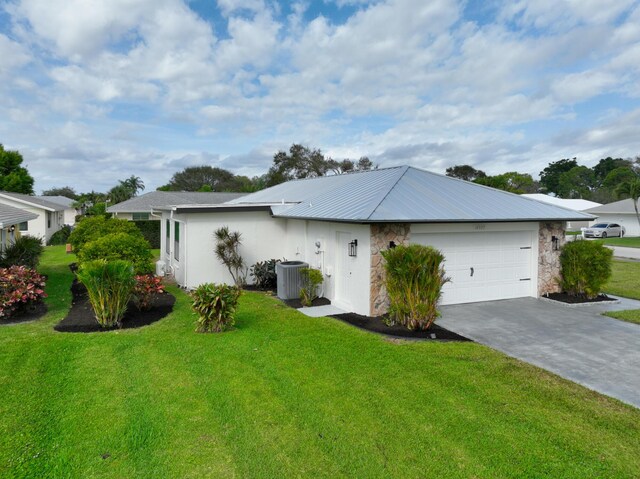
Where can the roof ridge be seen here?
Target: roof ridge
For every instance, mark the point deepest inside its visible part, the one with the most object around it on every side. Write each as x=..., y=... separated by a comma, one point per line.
x=356, y=172
x=405, y=168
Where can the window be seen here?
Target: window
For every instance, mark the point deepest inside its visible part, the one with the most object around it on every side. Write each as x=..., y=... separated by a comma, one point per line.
x=167, y=236
x=176, y=241
x=140, y=216
x=48, y=219
x=24, y=226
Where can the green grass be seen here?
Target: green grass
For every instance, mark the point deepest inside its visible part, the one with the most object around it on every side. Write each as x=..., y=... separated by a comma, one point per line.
x=625, y=279
x=628, y=242
x=284, y=395
x=630, y=316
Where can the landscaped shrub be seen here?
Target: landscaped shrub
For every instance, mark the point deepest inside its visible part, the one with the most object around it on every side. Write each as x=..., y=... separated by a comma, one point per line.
x=61, y=236
x=150, y=229
x=20, y=288
x=215, y=305
x=124, y=246
x=227, y=251
x=145, y=289
x=95, y=227
x=311, y=278
x=265, y=274
x=414, y=280
x=586, y=268
x=25, y=251
x=109, y=285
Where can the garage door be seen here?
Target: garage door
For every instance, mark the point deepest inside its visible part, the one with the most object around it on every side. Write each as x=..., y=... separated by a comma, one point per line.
x=484, y=266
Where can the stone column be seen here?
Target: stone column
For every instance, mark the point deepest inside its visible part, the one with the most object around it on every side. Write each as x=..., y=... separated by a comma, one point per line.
x=548, y=259
x=381, y=235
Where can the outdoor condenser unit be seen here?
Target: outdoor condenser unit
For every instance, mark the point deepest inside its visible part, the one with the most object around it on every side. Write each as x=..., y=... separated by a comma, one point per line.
x=289, y=282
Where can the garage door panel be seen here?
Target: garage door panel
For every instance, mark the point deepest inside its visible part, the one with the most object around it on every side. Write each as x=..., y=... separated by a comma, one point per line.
x=500, y=262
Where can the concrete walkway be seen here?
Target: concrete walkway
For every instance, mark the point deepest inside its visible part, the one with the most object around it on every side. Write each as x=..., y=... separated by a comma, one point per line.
x=576, y=343
x=319, y=311
x=625, y=252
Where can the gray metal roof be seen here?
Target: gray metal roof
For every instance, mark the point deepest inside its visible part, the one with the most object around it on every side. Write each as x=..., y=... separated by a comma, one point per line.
x=162, y=199
x=12, y=216
x=38, y=201
x=618, y=207
x=405, y=194
x=60, y=200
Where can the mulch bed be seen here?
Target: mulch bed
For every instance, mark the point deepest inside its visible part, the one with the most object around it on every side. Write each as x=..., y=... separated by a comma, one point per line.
x=377, y=325
x=82, y=320
x=577, y=299
x=26, y=315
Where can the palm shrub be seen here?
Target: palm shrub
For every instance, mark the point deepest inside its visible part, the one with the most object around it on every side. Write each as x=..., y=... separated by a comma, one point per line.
x=414, y=279
x=227, y=251
x=264, y=273
x=123, y=246
x=215, y=305
x=585, y=268
x=25, y=251
x=311, y=278
x=109, y=285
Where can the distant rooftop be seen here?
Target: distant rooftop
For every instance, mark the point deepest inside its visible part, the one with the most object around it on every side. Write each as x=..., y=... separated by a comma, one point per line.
x=572, y=204
x=618, y=207
x=162, y=199
x=38, y=201
x=11, y=216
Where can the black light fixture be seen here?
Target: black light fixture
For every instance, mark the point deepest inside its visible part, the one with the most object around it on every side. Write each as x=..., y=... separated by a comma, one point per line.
x=353, y=248
x=13, y=228
x=392, y=244
x=554, y=242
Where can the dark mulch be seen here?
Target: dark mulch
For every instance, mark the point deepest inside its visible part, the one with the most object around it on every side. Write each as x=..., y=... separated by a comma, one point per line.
x=297, y=304
x=377, y=325
x=82, y=320
x=577, y=299
x=31, y=313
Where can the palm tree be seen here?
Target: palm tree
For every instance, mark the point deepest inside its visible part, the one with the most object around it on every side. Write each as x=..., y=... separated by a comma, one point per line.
x=133, y=183
x=631, y=189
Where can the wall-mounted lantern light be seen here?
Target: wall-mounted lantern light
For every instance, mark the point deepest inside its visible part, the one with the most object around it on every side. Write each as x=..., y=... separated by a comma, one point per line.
x=13, y=228
x=353, y=248
x=392, y=244
x=555, y=241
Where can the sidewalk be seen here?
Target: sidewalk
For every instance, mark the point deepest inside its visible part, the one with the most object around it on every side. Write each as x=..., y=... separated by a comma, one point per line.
x=625, y=252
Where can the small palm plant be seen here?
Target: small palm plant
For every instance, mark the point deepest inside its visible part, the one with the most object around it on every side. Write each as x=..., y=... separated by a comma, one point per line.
x=215, y=305
x=414, y=279
x=227, y=250
x=311, y=278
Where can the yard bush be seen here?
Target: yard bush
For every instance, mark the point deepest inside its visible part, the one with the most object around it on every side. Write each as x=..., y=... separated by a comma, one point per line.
x=61, y=236
x=109, y=285
x=25, y=251
x=145, y=289
x=150, y=230
x=311, y=278
x=91, y=228
x=215, y=305
x=123, y=246
x=585, y=268
x=264, y=273
x=20, y=288
x=414, y=279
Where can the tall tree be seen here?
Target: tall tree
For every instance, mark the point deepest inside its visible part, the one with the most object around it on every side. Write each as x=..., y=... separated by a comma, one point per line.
x=349, y=166
x=195, y=177
x=550, y=176
x=607, y=165
x=65, y=191
x=465, y=172
x=578, y=182
x=13, y=177
x=511, y=181
x=133, y=183
x=631, y=189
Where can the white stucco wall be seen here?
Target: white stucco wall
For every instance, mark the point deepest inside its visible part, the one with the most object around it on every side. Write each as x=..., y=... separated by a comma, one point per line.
x=630, y=222
x=70, y=216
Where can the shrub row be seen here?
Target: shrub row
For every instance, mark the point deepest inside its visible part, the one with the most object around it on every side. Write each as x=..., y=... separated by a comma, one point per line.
x=150, y=230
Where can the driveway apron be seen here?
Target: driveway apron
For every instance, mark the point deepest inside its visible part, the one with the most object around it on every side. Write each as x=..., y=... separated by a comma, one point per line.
x=577, y=343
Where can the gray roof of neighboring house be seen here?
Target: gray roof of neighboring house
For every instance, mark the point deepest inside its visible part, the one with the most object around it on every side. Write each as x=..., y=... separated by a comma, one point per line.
x=38, y=201
x=576, y=204
x=60, y=200
x=618, y=207
x=162, y=199
x=11, y=216
x=401, y=194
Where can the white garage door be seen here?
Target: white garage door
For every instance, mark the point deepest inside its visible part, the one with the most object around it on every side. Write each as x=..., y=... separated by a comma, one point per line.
x=484, y=266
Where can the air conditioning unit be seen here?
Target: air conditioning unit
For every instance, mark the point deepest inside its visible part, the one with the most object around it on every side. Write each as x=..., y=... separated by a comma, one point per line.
x=160, y=268
x=289, y=281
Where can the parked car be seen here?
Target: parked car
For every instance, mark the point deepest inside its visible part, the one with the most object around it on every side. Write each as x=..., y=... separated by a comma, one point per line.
x=604, y=230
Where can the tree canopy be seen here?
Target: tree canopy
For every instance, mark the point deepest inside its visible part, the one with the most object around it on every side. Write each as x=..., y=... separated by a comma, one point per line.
x=465, y=172
x=13, y=176
x=550, y=176
x=194, y=178
x=65, y=191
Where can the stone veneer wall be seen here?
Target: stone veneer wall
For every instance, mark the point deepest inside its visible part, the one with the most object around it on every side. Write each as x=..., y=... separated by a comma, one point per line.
x=548, y=259
x=381, y=235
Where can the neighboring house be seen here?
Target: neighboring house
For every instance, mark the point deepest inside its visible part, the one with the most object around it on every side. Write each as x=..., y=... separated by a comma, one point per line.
x=621, y=212
x=143, y=207
x=497, y=245
x=70, y=212
x=50, y=215
x=10, y=218
x=572, y=204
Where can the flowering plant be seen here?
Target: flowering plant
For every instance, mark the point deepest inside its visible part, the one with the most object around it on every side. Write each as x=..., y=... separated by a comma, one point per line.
x=146, y=287
x=19, y=287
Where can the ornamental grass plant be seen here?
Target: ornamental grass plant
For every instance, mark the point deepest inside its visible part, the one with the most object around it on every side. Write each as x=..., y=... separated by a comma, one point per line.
x=110, y=286
x=414, y=279
x=216, y=306
x=585, y=268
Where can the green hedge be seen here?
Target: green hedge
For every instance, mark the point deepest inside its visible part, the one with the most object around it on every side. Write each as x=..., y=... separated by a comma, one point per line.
x=150, y=229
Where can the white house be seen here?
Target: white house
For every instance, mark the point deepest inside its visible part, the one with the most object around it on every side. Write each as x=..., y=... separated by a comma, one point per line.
x=497, y=245
x=50, y=216
x=70, y=212
x=10, y=218
x=622, y=212
x=577, y=204
x=142, y=207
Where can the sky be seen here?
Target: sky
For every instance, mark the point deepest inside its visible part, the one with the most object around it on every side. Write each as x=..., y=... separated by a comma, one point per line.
x=94, y=91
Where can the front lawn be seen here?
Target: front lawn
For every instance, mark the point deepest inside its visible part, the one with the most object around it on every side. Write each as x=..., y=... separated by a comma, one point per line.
x=628, y=242
x=284, y=395
x=625, y=279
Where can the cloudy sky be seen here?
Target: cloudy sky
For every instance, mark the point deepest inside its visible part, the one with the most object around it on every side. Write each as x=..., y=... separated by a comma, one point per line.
x=92, y=91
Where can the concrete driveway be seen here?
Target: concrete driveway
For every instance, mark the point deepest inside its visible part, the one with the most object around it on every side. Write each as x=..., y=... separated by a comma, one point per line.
x=625, y=252
x=577, y=343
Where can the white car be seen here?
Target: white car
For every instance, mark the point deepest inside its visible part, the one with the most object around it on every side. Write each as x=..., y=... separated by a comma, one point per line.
x=604, y=230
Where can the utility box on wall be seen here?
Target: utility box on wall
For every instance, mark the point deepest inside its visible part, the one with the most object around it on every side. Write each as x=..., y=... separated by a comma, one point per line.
x=289, y=281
